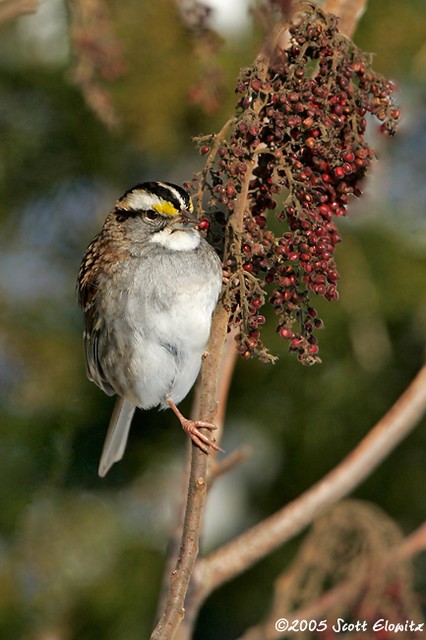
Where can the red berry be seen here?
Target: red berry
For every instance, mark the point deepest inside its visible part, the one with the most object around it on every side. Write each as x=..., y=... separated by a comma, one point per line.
x=294, y=255
x=204, y=224
x=349, y=156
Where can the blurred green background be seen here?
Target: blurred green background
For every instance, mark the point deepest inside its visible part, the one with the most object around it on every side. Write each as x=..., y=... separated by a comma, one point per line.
x=82, y=557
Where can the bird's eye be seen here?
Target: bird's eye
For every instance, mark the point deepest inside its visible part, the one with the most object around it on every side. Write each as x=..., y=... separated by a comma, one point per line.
x=152, y=215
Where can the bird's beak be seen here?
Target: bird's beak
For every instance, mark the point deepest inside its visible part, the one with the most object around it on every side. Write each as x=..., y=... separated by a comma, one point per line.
x=184, y=221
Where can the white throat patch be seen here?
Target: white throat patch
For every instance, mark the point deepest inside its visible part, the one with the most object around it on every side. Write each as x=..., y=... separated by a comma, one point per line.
x=177, y=240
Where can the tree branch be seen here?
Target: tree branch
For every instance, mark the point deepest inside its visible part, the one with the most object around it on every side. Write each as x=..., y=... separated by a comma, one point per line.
x=342, y=594
x=248, y=548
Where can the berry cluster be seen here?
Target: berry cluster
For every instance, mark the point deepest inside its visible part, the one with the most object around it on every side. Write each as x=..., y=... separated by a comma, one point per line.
x=297, y=148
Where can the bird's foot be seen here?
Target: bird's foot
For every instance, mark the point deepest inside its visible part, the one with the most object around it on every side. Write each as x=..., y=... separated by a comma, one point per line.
x=191, y=428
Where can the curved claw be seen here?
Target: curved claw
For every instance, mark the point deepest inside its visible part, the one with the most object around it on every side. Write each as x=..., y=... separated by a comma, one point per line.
x=197, y=437
x=191, y=428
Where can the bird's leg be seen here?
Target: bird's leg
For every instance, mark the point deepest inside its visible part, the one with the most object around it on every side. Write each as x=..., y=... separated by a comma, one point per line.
x=191, y=428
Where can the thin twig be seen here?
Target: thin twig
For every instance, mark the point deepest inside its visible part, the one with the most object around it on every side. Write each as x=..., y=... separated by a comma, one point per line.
x=414, y=543
x=217, y=141
x=247, y=549
x=229, y=463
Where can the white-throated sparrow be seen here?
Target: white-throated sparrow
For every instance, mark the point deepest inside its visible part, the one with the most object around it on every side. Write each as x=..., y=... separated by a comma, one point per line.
x=148, y=285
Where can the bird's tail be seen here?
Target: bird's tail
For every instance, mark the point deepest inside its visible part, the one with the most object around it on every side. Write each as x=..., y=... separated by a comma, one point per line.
x=116, y=437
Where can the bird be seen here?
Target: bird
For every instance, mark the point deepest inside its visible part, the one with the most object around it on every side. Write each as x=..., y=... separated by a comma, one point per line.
x=148, y=285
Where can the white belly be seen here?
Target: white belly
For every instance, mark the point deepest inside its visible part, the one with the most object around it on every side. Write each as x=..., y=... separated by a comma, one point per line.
x=167, y=346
